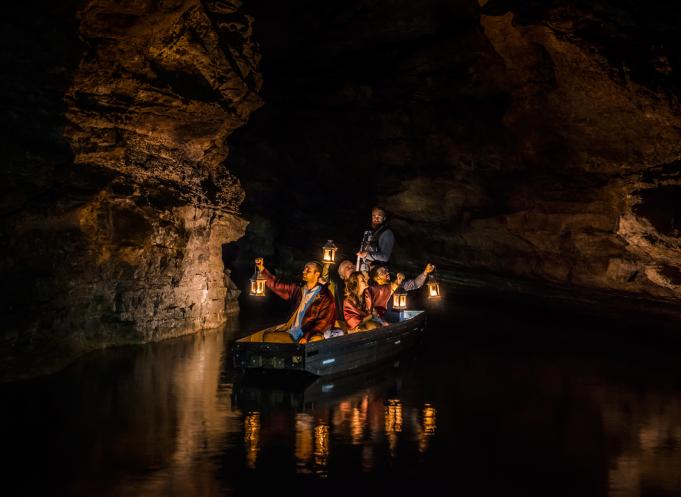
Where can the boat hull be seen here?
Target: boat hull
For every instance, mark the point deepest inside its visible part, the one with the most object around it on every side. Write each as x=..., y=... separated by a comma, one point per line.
x=333, y=356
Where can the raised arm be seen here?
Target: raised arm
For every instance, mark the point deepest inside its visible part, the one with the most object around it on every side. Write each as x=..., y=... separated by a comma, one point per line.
x=416, y=283
x=324, y=278
x=283, y=290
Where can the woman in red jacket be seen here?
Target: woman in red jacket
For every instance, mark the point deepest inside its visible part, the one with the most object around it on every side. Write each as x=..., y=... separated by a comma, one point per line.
x=357, y=316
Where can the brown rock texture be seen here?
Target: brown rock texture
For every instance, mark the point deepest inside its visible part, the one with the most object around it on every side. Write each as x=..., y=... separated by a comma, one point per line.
x=533, y=141
x=118, y=215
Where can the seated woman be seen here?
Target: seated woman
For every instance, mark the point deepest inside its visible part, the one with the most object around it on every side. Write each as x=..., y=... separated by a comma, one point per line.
x=357, y=316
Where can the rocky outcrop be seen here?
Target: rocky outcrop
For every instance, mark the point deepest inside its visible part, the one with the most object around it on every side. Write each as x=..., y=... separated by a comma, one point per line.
x=537, y=141
x=118, y=237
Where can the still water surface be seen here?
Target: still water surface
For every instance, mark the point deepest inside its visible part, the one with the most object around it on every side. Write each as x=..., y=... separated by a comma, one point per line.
x=504, y=402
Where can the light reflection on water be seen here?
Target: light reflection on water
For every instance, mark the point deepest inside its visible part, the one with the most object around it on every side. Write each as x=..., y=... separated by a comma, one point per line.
x=345, y=422
x=170, y=420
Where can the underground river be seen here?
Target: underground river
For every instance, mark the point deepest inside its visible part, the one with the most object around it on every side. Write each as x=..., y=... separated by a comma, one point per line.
x=500, y=399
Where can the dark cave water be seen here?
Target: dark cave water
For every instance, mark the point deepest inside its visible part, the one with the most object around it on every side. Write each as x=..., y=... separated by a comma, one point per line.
x=501, y=399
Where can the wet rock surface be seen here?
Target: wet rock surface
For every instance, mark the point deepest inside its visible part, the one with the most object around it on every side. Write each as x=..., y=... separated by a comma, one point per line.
x=116, y=200
x=536, y=142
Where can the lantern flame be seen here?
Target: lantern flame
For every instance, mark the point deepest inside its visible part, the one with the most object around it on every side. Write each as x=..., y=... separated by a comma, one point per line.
x=329, y=252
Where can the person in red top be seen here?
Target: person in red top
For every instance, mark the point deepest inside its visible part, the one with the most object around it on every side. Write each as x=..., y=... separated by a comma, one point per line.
x=314, y=309
x=377, y=295
x=357, y=317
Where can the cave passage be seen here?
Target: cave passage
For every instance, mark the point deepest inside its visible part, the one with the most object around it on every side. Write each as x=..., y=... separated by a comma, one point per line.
x=662, y=208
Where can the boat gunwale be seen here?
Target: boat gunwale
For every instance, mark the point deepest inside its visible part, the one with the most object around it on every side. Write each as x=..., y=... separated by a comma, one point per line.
x=372, y=335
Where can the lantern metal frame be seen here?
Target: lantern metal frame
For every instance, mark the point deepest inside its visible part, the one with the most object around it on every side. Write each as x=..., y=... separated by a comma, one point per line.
x=257, y=282
x=433, y=286
x=329, y=252
x=400, y=300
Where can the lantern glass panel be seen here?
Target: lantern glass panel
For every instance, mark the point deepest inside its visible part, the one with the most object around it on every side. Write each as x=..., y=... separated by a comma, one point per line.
x=260, y=286
x=400, y=301
x=257, y=285
x=433, y=289
x=329, y=251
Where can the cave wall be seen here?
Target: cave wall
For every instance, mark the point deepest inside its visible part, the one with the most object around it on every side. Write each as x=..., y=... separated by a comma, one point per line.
x=530, y=140
x=116, y=200
x=536, y=140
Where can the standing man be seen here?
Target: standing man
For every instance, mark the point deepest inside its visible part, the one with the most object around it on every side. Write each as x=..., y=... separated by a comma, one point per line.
x=381, y=241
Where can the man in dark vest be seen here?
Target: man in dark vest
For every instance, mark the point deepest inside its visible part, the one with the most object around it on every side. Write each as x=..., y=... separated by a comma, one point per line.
x=380, y=243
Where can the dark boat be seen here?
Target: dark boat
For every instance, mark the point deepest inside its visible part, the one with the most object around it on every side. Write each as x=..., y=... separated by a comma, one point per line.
x=334, y=355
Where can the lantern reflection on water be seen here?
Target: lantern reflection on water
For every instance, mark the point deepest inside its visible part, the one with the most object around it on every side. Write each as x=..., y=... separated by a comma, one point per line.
x=429, y=426
x=393, y=423
x=303, y=450
x=252, y=437
x=329, y=252
x=321, y=450
x=429, y=419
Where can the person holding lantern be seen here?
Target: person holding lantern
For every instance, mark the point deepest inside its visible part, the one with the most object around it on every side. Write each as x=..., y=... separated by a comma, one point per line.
x=378, y=294
x=407, y=286
x=416, y=283
x=380, y=289
x=314, y=306
x=357, y=316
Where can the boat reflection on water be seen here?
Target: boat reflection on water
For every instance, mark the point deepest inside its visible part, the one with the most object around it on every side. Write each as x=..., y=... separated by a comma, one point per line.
x=364, y=412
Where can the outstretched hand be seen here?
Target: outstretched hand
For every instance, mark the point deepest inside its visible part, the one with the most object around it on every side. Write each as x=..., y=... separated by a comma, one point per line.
x=259, y=263
x=429, y=268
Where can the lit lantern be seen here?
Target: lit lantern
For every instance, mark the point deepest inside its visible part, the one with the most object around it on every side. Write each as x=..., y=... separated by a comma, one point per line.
x=257, y=284
x=400, y=300
x=329, y=252
x=433, y=287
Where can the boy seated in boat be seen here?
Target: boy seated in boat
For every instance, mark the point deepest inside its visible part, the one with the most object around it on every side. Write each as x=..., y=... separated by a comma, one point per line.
x=314, y=307
x=357, y=316
x=380, y=289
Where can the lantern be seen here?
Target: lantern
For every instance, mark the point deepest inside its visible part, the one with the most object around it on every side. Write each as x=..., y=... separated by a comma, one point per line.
x=400, y=300
x=433, y=287
x=257, y=284
x=329, y=250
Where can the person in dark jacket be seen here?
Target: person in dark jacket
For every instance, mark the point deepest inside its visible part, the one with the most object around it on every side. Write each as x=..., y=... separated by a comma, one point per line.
x=381, y=241
x=314, y=309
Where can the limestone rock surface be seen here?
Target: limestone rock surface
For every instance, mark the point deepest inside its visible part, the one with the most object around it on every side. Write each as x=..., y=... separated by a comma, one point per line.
x=118, y=199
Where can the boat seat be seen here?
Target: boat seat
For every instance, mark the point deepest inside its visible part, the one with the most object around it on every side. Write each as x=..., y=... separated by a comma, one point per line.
x=277, y=337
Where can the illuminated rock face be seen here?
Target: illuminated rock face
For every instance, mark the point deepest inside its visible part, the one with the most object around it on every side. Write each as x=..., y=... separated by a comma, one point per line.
x=531, y=140
x=121, y=199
